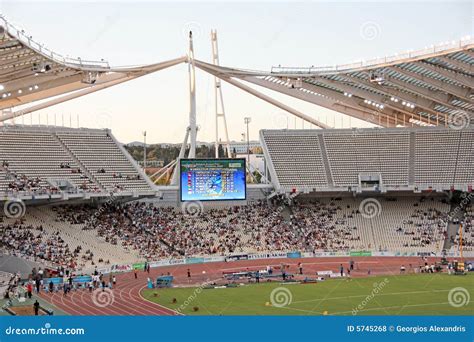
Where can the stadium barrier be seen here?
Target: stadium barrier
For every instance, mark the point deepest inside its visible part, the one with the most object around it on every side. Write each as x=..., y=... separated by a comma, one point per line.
x=273, y=255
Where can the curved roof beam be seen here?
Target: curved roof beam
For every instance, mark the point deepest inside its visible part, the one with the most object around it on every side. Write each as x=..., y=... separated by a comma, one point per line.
x=29, y=72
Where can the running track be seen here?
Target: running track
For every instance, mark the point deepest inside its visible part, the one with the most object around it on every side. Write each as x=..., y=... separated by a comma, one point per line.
x=128, y=301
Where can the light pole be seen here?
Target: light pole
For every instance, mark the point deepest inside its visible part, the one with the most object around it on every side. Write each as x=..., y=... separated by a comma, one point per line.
x=144, y=151
x=247, y=120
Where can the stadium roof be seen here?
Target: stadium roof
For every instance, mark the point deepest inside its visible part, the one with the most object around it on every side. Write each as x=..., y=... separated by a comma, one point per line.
x=30, y=72
x=433, y=86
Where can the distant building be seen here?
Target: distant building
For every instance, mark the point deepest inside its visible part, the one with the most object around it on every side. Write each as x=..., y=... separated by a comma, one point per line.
x=240, y=147
x=152, y=163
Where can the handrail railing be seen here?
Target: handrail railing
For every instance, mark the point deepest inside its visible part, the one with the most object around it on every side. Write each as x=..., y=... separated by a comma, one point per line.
x=56, y=57
x=466, y=41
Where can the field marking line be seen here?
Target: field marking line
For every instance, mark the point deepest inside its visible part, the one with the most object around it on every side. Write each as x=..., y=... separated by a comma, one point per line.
x=161, y=306
x=396, y=306
x=358, y=296
x=371, y=309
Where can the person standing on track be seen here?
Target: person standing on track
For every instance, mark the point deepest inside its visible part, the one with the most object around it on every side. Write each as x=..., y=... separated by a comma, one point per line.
x=38, y=285
x=29, y=289
x=36, y=307
x=135, y=273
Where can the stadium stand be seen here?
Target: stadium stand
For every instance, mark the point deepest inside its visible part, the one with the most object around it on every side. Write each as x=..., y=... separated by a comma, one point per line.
x=102, y=156
x=52, y=160
x=28, y=156
x=305, y=167
x=439, y=153
x=412, y=159
x=467, y=231
x=87, y=161
x=84, y=236
x=42, y=236
x=364, y=151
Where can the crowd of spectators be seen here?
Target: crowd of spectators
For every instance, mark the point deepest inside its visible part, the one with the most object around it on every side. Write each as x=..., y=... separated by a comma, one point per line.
x=31, y=242
x=467, y=231
x=161, y=232
x=158, y=232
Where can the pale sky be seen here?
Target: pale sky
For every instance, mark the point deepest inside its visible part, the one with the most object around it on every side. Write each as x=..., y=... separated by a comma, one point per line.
x=252, y=35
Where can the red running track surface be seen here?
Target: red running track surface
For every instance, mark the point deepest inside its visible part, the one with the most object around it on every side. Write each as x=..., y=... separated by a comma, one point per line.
x=128, y=301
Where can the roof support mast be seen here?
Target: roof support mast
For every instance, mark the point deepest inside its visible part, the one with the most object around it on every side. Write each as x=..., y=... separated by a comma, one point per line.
x=192, y=99
x=219, y=100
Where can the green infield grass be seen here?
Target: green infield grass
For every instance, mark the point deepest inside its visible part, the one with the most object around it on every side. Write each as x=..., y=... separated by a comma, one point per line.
x=414, y=294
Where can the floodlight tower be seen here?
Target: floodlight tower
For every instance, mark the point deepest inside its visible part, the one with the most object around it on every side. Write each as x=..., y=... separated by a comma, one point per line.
x=219, y=100
x=192, y=99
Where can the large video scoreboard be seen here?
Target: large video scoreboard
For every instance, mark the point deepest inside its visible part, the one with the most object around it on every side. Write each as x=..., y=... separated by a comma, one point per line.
x=212, y=179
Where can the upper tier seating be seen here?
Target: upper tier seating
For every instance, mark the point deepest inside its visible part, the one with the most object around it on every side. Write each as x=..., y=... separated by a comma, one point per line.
x=35, y=155
x=34, y=159
x=297, y=158
x=408, y=158
x=351, y=153
x=105, y=160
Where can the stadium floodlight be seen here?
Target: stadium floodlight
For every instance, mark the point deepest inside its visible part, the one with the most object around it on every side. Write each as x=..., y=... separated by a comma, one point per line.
x=2, y=87
x=247, y=121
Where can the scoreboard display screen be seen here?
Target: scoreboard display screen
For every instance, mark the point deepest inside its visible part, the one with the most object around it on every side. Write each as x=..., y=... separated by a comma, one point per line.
x=212, y=179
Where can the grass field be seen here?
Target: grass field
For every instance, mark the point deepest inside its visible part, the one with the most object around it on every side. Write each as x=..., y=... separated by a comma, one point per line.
x=423, y=294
